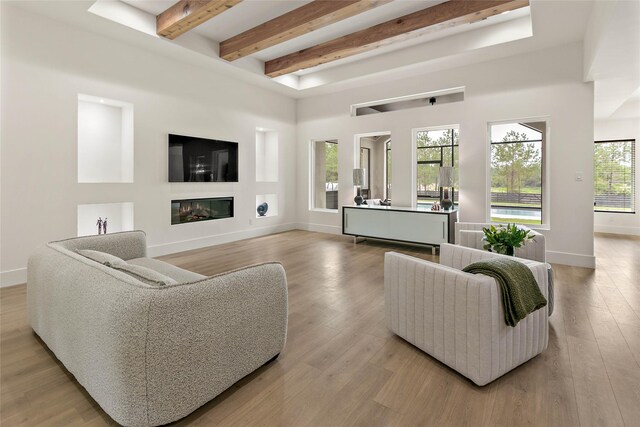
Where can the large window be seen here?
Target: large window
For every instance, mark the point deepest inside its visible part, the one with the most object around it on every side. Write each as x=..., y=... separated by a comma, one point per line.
x=517, y=168
x=435, y=148
x=614, y=170
x=324, y=185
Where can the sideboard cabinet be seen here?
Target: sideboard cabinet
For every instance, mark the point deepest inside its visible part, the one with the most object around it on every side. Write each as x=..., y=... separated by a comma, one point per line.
x=409, y=225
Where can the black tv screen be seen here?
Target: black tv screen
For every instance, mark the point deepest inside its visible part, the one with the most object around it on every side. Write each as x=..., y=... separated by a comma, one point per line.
x=193, y=159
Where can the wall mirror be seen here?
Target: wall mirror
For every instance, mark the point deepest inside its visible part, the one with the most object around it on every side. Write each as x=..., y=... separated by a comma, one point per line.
x=373, y=154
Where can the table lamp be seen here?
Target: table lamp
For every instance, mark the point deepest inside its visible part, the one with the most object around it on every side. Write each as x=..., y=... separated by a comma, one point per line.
x=358, y=180
x=446, y=181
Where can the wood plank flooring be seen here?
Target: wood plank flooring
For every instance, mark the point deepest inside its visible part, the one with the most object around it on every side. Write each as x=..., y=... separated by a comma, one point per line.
x=342, y=367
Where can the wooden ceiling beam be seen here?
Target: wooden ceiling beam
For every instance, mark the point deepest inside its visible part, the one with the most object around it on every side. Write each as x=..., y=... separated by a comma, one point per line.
x=188, y=14
x=303, y=20
x=443, y=15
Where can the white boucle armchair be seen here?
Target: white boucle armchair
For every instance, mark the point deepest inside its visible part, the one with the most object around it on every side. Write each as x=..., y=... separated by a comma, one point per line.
x=457, y=317
x=470, y=234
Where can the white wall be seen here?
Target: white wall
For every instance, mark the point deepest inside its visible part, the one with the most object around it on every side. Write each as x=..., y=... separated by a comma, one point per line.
x=620, y=223
x=46, y=64
x=545, y=84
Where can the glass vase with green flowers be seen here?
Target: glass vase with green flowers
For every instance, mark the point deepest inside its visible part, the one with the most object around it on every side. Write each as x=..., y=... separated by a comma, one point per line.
x=504, y=240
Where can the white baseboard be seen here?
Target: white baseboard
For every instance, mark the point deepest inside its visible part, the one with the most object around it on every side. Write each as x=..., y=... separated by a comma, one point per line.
x=218, y=239
x=576, y=260
x=320, y=228
x=13, y=277
x=614, y=229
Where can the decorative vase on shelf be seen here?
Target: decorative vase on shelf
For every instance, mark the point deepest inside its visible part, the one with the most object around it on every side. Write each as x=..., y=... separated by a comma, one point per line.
x=262, y=208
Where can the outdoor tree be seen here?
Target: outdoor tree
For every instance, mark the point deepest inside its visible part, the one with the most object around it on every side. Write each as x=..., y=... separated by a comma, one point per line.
x=331, y=159
x=613, y=167
x=515, y=166
x=614, y=176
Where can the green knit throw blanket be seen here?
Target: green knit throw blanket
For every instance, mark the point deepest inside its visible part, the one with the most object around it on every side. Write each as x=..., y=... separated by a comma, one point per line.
x=519, y=289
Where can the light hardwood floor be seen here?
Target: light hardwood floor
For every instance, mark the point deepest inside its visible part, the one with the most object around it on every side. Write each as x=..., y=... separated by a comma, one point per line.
x=341, y=366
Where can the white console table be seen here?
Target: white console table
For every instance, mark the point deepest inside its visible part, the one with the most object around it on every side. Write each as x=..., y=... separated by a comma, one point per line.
x=409, y=225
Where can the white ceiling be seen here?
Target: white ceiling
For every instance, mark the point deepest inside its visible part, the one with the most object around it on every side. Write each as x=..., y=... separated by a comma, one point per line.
x=545, y=24
x=250, y=13
x=612, y=58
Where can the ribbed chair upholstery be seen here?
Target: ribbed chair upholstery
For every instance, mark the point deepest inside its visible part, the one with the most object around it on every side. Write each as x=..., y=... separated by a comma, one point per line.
x=457, y=317
x=470, y=234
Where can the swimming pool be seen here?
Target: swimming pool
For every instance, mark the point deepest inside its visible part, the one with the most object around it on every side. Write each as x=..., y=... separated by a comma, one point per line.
x=506, y=213
x=515, y=213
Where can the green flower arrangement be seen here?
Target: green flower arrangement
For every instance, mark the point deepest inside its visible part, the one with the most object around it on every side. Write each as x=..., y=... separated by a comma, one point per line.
x=504, y=240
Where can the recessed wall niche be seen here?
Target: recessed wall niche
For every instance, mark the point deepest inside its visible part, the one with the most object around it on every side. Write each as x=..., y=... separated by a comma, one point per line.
x=105, y=140
x=119, y=217
x=272, y=205
x=266, y=155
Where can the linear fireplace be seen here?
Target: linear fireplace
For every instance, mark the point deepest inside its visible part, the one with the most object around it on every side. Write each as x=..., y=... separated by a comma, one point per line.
x=194, y=210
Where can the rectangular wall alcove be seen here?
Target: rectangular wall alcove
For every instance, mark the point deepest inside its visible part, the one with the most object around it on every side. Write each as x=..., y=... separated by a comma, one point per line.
x=271, y=201
x=266, y=155
x=105, y=140
x=119, y=217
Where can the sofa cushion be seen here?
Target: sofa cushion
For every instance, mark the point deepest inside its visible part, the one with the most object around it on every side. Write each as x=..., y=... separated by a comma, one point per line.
x=101, y=257
x=144, y=274
x=178, y=274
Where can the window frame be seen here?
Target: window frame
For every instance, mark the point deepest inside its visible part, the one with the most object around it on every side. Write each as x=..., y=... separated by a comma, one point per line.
x=633, y=177
x=387, y=169
x=356, y=161
x=312, y=170
x=415, y=162
x=545, y=197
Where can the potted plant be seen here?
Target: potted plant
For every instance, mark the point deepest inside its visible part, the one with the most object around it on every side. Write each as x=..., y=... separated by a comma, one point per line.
x=504, y=240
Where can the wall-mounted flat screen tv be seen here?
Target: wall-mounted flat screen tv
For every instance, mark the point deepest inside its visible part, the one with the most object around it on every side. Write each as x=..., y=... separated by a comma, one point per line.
x=193, y=159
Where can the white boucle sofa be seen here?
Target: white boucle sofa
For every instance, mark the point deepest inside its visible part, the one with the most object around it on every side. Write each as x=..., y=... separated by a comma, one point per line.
x=458, y=317
x=150, y=355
